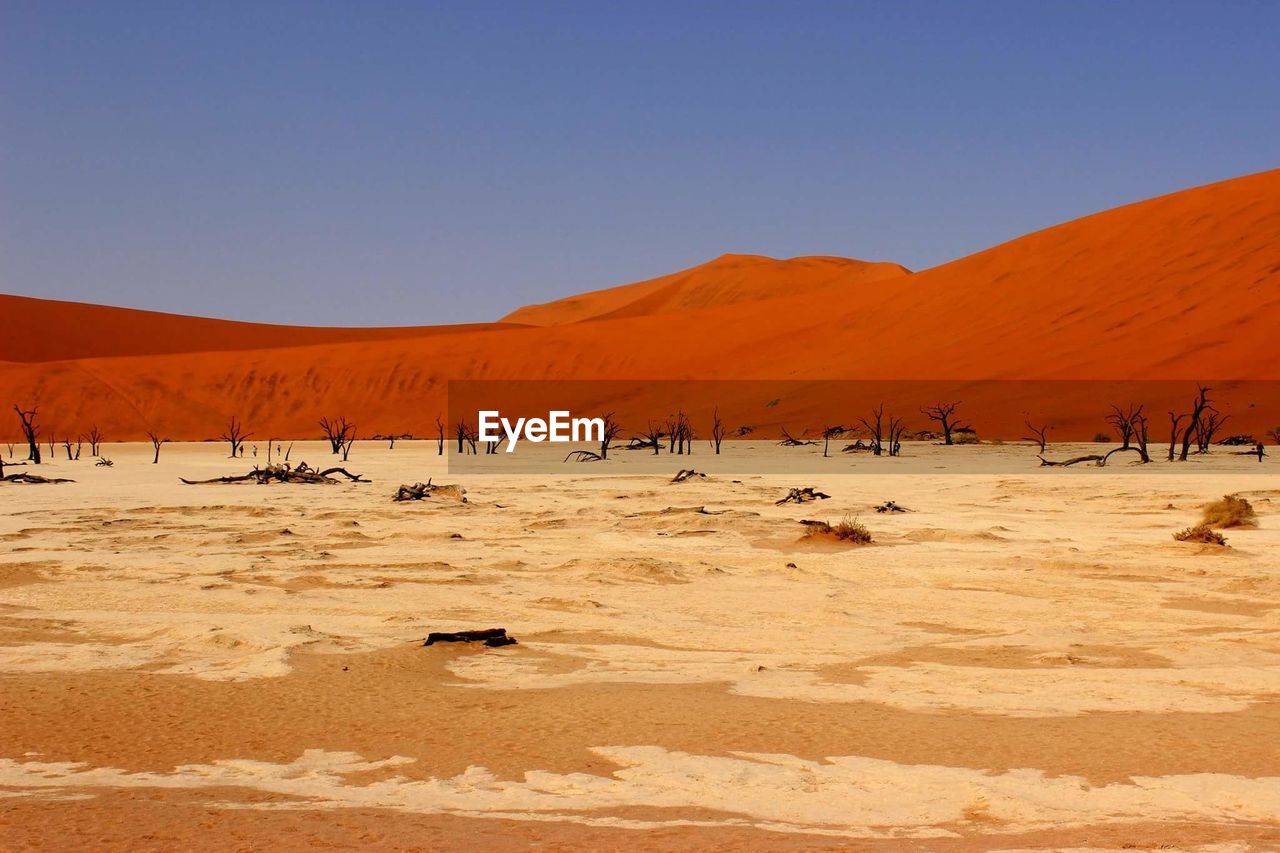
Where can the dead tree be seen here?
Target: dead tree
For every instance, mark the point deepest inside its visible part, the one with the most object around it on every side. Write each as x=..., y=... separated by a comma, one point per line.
x=1121, y=420
x=53, y=443
x=717, y=430
x=1140, y=434
x=1275, y=436
x=875, y=426
x=1201, y=405
x=156, y=442
x=349, y=440
x=95, y=440
x=66, y=444
x=680, y=433
x=31, y=431
x=466, y=437
x=830, y=433
x=608, y=434
x=789, y=440
x=944, y=414
x=897, y=428
x=650, y=438
x=336, y=432
x=439, y=436
x=236, y=436
x=1040, y=434
x=1175, y=421
x=1131, y=424
x=1208, y=427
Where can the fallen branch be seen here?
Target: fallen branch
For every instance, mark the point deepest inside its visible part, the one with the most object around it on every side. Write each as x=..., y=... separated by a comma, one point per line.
x=891, y=506
x=33, y=479
x=584, y=456
x=1100, y=459
x=687, y=474
x=808, y=493
x=303, y=474
x=1092, y=457
x=789, y=440
x=422, y=491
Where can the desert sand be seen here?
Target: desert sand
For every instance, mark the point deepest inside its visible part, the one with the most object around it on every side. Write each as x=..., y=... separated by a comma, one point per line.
x=1026, y=660
x=1180, y=287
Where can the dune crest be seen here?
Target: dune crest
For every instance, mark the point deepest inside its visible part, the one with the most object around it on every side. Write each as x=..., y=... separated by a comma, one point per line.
x=727, y=280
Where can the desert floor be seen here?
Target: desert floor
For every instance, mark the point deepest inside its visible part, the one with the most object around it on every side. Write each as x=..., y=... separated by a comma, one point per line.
x=1026, y=660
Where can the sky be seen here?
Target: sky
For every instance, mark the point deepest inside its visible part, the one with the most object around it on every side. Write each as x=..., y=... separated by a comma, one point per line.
x=381, y=163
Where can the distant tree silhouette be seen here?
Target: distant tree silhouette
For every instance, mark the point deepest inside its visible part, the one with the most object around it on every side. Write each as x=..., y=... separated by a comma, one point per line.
x=31, y=431
x=944, y=414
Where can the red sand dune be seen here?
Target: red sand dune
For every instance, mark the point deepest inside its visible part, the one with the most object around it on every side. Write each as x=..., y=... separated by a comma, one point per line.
x=727, y=280
x=1185, y=286
x=50, y=330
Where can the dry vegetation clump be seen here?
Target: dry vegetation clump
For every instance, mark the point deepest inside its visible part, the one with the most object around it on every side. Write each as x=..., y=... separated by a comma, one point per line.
x=1231, y=511
x=1201, y=533
x=849, y=530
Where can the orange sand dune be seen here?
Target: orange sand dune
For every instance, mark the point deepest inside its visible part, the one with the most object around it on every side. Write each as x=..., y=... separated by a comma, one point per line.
x=51, y=330
x=727, y=280
x=1185, y=286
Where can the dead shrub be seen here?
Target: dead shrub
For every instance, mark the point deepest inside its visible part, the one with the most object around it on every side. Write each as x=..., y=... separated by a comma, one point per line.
x=1231, y=511
x=849, y=530
x=1201, y=533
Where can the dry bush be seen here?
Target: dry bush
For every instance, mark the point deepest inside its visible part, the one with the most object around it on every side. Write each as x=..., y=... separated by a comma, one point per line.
x=1231, y=511
x=1101, y=438
x=852, y=530
x=1201, y=533
x=966, y=438
x=848, y=530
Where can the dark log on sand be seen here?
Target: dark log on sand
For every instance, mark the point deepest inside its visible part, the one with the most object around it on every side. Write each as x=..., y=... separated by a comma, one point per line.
x=891, y=506
x=33, y=479
x=1099, y=459
x=303, y=474
x=687, y=474
x=491, y=637
x=584, y=456
x=422, y=491
x=808, y=493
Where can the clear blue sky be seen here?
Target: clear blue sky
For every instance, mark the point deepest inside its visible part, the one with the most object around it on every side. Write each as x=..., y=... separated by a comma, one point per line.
x=411, y=163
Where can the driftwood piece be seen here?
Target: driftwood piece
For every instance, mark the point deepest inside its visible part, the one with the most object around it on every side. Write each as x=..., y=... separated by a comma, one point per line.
x=1100, y=459
x=104, y=462
x=33, y=479
x=491, y=637
x=808, y=493
x=892, y=506
x=789, y=440
x=303, y=474
x=688, y=474
x=584, y=456
x=422, y=491
x=1097, y=458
